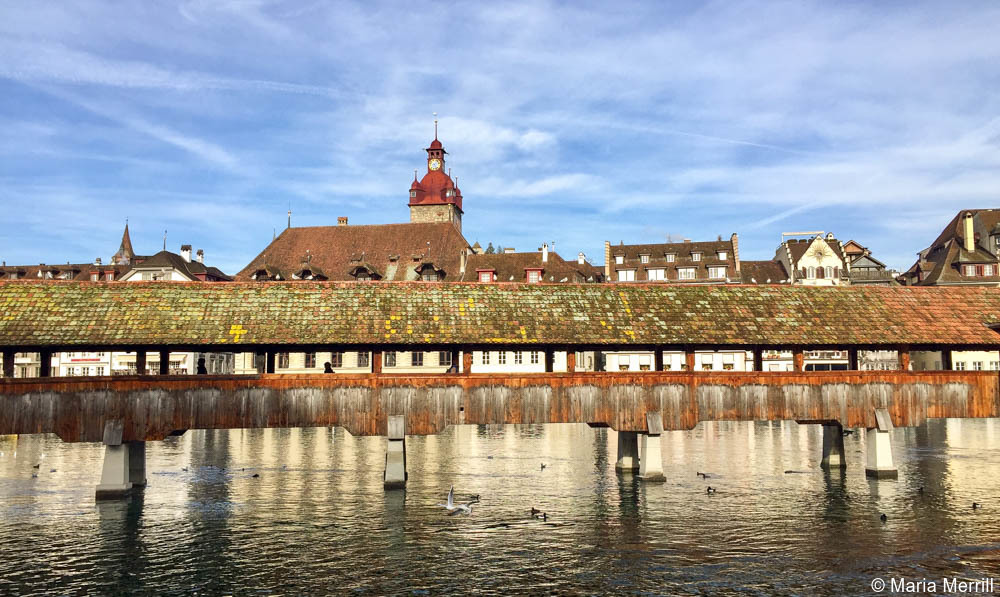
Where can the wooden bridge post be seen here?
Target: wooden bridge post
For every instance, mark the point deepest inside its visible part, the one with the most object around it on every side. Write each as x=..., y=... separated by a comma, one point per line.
x=269, y=358
x=658, y=359
x=140, y=361
x=946, y=363
x=164, y=362
x=550, y=359
x=8, y=362
x=376, y=361
x=467, y=361
x=570, y=360
x=45, y=363
x=798, y=360
x=852, y=359
x=903, y=354
x=689, y=358
x=758, y=359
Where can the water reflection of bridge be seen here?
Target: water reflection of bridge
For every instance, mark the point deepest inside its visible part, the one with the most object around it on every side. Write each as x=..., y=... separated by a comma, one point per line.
x=124, y=412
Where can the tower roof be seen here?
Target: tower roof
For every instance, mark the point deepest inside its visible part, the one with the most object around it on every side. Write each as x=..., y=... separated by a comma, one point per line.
x=125, y=252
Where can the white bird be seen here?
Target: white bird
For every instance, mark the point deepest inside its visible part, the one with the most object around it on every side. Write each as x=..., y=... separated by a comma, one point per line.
x=451, y=500
x=454, y=508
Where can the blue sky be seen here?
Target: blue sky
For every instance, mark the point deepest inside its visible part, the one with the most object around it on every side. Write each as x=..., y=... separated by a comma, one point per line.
x=571, y=122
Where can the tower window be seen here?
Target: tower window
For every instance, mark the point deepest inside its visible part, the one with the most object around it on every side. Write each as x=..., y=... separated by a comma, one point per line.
x=413, y=193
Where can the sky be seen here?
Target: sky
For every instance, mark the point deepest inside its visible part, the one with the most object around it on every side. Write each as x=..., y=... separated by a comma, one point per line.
x=572, y=123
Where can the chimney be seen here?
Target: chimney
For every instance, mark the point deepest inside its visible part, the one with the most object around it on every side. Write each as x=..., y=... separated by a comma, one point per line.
x=545, y=253
x=342, y=221
x=201, y=256
x=186, y=253
x=829, y=236
x=97, y=261
x=581, y=258
x=970, y=235
x=509, y=251
x=735, y=239
x=687, y=240
x=607, y=260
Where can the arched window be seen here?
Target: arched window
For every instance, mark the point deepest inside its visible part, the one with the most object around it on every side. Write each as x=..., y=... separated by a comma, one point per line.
x=819, y=272
x=829, y=272
x=811, y=272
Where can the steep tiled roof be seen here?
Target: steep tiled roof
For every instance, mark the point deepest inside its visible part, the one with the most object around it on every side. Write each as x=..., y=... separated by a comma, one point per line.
x=510, y=267
x=763, y=272
x=393, y=250
x=78, y=271
x=191, y=269
x=682, y=258
x=66, y=314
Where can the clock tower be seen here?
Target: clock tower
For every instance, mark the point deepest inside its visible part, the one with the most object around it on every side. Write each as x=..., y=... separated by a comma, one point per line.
x=435, y=197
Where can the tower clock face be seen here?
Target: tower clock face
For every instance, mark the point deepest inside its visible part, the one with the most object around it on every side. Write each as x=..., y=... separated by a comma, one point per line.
x=434, y=164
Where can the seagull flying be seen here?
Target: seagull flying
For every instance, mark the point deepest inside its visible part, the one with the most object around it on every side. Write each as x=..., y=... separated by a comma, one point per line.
x=454, y=508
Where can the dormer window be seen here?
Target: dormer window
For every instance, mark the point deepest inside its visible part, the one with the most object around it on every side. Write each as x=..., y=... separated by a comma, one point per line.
x=486, y=276
x=413, y=194
x=695, y=256
x=722, y=255
x=534, y=276
x=619, y=259
x=429, y=275
x=363, y=276
x=643, y=258
x=671, y=257
x=449, y=193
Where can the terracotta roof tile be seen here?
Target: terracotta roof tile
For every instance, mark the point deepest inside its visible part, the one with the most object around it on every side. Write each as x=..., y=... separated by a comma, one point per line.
x=392, y=250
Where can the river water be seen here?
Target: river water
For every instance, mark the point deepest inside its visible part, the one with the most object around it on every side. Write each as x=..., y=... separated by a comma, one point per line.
x=317, y=521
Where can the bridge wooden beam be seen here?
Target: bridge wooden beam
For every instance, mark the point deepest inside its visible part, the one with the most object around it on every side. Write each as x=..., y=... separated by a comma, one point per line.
x=903, y=356
x=376, y=360
x=164, y=362
x=758, y=358
x=570, y=360
x=689, y=358
x=140, y=360
x=550, y=359
x=798, y=359
x=946, y=363
x=45, y=363
x=657, y=359
x=852, y=359
x=8, y=362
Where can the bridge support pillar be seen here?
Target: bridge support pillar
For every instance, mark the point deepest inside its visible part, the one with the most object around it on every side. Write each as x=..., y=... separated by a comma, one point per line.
x=878, y=460
x=395, y=455
x=651, y=459
x=833, y=447
x=628, y=452
x=650, y=453
x=115, y=474
x=137, y=464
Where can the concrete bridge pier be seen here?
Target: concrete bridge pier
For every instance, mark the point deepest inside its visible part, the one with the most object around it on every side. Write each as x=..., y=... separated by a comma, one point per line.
x=833, y=447
x=395, y=455
x=878, y=445
x=651, y=455
x=124, y=464
x=628, y=452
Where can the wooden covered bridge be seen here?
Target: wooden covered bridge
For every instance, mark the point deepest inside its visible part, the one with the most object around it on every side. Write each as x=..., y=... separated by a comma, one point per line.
x=124, y=412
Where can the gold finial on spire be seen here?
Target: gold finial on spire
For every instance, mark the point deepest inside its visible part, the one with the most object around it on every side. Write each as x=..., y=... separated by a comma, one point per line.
x=435, y=126
x=414, y=175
